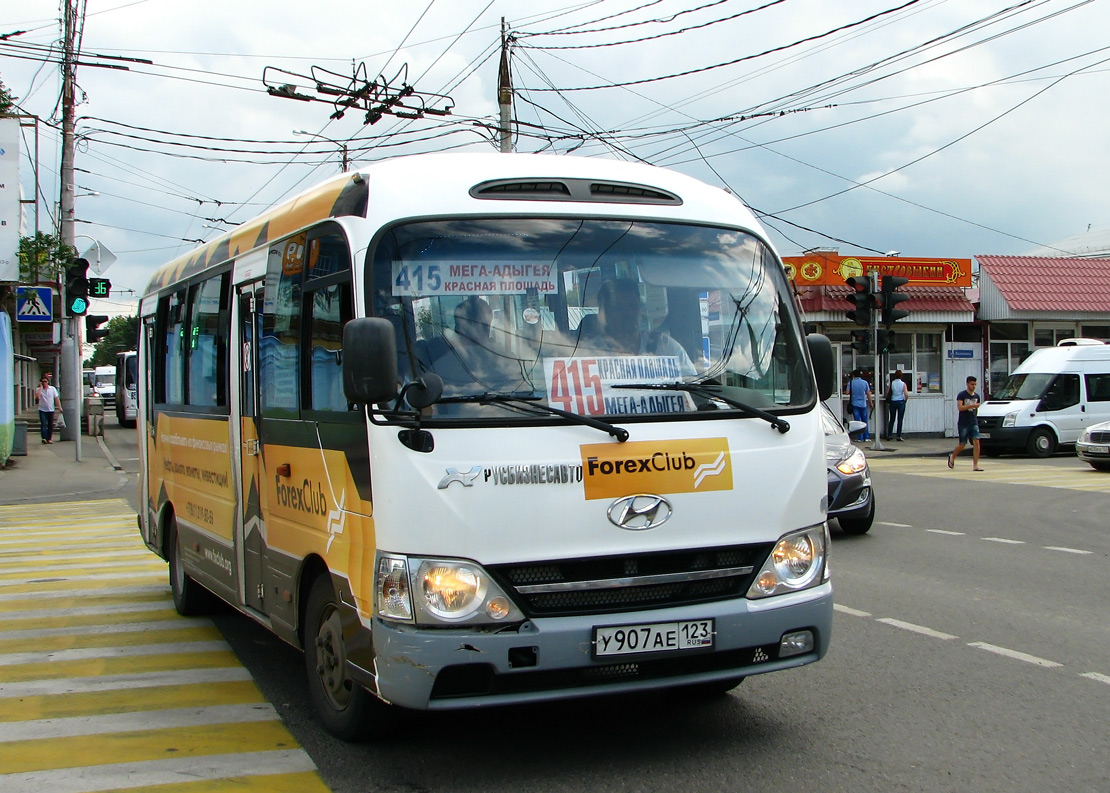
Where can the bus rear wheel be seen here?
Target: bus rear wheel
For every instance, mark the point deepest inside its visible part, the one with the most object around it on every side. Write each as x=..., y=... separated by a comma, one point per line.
x=344, y=707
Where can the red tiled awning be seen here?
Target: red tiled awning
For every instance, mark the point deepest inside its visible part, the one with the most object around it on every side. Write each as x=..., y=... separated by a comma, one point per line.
x=1050, y=283
x=921, y=298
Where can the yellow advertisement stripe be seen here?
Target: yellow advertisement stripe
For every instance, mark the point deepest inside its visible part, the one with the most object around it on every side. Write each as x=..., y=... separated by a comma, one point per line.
x=138, y=746
x=95, y=667
x=129, y=700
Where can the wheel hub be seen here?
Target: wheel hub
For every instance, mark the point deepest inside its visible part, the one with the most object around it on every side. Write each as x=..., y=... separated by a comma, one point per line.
x=331, y=660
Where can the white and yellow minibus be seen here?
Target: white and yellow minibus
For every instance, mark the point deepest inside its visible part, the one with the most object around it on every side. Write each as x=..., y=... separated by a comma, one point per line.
x=483, y=429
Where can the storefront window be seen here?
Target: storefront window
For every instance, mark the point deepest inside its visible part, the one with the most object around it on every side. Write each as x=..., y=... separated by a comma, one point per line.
x=927, y=363
x=1009, y=346
x=1050, y=337
x=1095, y=331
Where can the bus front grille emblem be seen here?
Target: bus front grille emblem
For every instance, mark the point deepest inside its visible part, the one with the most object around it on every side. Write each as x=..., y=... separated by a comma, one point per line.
x=639, y=512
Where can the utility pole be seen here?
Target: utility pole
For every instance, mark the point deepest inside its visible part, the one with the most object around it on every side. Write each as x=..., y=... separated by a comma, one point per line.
x=65, y=217
x=880, y=373
x=505, y=94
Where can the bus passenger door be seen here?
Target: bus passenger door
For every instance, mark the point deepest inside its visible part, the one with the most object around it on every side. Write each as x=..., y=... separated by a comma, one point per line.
x=251, y=534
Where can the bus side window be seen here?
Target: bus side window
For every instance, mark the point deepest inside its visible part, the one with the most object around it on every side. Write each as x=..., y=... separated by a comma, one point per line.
x=329, y=309
x=170, y=377
x=207, y=349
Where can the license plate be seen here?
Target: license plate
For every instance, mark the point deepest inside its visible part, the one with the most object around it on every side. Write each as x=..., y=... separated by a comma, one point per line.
x=659, y=637
x=984, y=434
x=1097, y=449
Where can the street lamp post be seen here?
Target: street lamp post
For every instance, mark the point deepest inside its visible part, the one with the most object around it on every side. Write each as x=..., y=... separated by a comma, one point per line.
x=344, y=161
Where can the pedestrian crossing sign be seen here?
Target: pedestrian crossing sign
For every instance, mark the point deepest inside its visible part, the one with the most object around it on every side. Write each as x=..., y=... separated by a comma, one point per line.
x=34, y=304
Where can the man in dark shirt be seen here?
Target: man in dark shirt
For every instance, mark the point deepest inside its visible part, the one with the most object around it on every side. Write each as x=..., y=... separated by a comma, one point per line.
x=967, y=423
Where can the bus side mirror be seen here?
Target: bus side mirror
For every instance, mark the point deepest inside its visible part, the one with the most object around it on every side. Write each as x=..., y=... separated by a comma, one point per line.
x=369, y=361
x=820, y=352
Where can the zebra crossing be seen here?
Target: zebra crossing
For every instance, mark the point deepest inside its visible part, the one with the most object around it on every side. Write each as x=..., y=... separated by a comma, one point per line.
x=103, y=687
x=1023, y=472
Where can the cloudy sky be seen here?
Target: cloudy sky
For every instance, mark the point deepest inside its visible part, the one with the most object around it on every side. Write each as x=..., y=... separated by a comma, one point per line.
x=930, y=127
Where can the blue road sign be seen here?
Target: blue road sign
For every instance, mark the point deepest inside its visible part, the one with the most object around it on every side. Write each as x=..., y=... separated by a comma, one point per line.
x=34, y=304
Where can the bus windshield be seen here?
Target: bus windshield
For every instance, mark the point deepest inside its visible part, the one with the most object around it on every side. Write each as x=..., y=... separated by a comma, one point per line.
x=596, y=317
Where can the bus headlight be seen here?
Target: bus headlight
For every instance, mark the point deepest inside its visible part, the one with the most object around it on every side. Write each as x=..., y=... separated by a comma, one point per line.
x=440, y=591
x=796, y=562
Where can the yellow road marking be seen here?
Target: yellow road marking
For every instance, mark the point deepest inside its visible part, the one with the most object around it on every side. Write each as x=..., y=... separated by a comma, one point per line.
x=306, y=782
x=136, y=746
x=129, y=700
x=186, y=633
x=128, y=665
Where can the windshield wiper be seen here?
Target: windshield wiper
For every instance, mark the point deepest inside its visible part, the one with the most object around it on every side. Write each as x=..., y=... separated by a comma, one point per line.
x=712, y=392
x=527, y=399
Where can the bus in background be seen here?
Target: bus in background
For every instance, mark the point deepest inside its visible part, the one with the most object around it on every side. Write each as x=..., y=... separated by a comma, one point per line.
x=487, y=429
x=127, y=388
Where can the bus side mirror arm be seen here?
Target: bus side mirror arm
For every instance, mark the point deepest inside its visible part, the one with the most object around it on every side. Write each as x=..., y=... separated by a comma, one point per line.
x=820, y=352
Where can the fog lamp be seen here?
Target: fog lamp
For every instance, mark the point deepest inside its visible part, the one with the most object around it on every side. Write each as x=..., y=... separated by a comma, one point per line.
x=796, y=643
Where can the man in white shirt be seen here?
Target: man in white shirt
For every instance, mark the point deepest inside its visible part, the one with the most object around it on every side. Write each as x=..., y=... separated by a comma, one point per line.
x=49, y=402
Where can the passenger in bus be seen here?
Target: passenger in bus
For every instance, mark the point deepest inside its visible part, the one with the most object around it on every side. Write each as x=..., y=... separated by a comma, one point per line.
x=620, y=332
x=467, y=358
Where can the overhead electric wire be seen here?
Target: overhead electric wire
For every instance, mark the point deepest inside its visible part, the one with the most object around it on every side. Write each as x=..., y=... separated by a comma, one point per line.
x=735, y=61
x=678, y=32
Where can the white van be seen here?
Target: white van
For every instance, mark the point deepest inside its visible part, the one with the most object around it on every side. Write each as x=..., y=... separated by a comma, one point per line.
x=1051, y=397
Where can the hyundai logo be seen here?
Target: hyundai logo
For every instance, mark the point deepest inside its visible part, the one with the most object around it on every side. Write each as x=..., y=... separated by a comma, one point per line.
x=639, y=512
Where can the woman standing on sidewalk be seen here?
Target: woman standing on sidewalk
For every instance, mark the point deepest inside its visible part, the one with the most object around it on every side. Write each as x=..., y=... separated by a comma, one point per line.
x=47, y=396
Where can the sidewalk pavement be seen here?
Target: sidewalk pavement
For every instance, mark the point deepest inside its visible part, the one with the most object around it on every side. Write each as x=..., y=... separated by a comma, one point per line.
x=50, y=473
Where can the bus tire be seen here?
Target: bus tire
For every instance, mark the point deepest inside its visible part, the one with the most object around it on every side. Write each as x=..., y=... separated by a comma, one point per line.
x=1041, y=443
x=343, y=706
x=189, y=597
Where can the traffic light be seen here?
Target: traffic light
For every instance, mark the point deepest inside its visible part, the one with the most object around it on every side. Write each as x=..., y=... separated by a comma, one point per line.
x=100, y=287
x=92, y=330
x=863, y=300
x=890, y=314
x=861, y=341
x=77, y=288
x=888, y=341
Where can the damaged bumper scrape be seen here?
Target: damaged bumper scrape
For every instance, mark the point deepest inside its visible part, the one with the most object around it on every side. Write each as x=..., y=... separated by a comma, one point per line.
x=553, y=658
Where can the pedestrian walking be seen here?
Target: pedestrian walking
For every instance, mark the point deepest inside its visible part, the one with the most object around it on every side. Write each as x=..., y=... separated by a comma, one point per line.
x=862, y=400
x=896, y=405
x=49, y=402
x=967, y=424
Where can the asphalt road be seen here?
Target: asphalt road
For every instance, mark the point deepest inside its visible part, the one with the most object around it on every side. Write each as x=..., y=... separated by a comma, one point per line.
x=971, y=651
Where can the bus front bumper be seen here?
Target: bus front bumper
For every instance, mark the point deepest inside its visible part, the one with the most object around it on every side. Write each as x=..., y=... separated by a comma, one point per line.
x=554, y=657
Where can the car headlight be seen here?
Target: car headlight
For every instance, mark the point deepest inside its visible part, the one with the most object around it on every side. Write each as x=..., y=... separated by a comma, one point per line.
x=1010, y=419
x=798, y=561
x=853, y=463
x=440, y=591
x=1085, y=436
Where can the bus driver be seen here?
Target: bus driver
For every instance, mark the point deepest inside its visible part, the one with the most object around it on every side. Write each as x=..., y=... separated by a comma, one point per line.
x=619, y=331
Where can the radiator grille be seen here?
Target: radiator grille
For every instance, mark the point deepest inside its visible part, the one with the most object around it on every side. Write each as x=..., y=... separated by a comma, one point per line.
x=631, y=583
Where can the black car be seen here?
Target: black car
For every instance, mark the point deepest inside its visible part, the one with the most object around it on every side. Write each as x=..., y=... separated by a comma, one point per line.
x=851, y=497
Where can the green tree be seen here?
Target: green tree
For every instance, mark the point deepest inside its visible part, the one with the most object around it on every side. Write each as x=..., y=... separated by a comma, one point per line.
x=43, y=257
x=123, y=335
x=7, y=101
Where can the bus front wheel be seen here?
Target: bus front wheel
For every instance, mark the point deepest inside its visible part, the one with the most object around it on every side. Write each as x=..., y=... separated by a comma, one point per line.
x=189, y=597
x=343, y=706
